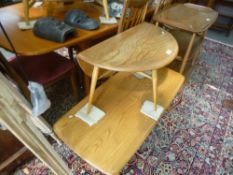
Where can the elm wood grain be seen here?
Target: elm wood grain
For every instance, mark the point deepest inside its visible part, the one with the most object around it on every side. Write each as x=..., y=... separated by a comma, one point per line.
x=189, y=17
x=138, y=10
x=26, y=43
x=133, y=50
x=111, y=143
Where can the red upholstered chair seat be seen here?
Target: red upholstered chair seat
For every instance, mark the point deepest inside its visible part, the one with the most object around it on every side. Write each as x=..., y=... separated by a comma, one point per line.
x=44, y=68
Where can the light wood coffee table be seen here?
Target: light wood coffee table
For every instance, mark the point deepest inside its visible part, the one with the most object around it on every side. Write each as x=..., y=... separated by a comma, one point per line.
x=111, y=142
x=141, y=48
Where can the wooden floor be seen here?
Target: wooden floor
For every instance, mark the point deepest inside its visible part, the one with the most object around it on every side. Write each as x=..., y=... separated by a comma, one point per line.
x=111, y=143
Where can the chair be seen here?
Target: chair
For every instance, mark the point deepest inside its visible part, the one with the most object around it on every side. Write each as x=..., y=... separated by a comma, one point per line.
x=137, y=9
x=45, y=69
x=225, y=10
x=188, y=35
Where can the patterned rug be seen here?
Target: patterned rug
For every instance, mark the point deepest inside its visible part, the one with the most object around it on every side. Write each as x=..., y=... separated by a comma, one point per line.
x=195, y=137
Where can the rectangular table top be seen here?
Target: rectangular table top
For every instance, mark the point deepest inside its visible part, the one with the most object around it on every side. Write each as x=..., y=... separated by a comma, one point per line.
x=110, y=144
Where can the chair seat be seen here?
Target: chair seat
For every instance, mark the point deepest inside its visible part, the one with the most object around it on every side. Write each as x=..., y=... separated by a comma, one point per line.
x=110, y=144
x=45, y=68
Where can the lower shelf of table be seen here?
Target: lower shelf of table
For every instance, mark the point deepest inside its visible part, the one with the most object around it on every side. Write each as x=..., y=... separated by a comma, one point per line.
x=109, y=144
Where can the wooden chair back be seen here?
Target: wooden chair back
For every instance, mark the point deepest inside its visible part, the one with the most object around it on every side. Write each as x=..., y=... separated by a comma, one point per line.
x=133, y=13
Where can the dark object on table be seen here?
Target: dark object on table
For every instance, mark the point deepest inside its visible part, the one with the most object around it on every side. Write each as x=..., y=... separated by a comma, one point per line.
x=78, y=18
x=53, y=29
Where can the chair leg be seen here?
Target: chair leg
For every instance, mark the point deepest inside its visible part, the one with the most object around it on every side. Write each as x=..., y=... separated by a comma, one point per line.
x=74, y=84
x=198, y=52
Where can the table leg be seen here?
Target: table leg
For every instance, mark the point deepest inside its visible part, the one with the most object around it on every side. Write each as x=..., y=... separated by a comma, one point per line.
x=26, y=10
x=92, y=90
x=199, y=48
x=105, y=4
x=187, y=53
x=154, y=83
